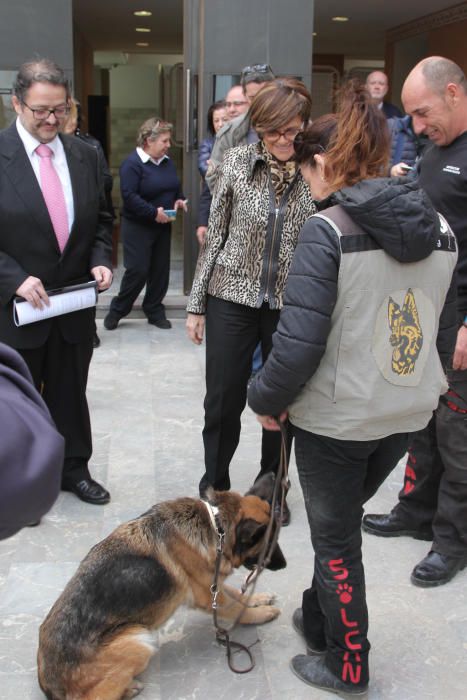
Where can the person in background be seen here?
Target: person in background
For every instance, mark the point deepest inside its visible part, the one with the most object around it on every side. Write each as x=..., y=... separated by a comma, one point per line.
x=260, y=203
x=378, y=86
x=149, y=185
x=406, y=146
x=217, y=117
x=55, y=231
x=238, y=130
x=432, y=504
x=355, y=363
x=72, y=127
x=31, y=448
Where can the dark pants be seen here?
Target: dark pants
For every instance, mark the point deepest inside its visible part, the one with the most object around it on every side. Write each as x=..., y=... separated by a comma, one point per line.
x=146, y=258
x=60, y=373
x=232, y=334
x=337, y=477
x=435, y=483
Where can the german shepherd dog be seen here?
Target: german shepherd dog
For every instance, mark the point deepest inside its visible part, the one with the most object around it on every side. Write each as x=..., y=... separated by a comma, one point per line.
x=96, y=638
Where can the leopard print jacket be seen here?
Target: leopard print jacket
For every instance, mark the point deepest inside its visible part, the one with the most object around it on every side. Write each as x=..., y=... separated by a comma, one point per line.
x=250, y=241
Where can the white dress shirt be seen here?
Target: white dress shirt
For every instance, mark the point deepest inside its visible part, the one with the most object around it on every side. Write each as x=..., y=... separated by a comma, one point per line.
x=59, y=161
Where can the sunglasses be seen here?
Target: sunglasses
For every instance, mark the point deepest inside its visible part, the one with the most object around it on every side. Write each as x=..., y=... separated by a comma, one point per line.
x=257, y=68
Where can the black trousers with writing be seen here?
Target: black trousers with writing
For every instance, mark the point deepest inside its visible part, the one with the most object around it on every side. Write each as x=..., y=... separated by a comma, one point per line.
x=337, y=477
x=435, y=483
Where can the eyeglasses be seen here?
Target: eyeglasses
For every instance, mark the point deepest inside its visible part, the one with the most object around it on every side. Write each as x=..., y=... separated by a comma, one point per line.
x=42, y=113
x=236, y=103
x=257, y=68
x=288, y=134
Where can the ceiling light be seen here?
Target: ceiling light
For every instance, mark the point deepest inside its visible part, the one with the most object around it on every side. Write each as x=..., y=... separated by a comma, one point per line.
x=340, y=19
x=142, y=13
x=315, y=33
x=142, y=29
x=142, y=43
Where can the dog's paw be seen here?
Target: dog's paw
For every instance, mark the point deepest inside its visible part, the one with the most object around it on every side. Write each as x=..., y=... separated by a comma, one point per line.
x=259, y=615
x=133, y=689
x=261, y=599
x=266, y=613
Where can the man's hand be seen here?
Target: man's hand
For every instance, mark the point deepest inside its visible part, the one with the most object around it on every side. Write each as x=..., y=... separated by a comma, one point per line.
x=33, y=291
x=459, y=361
x=400, y=170
x=270, y=423
x=201, y=234
x=103, y=277
x=195, y=328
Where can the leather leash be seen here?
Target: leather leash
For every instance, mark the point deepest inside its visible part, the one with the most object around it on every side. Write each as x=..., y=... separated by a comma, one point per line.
x=270, y=541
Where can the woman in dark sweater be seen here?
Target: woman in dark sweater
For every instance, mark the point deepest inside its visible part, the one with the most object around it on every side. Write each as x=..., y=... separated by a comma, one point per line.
x=150, y=186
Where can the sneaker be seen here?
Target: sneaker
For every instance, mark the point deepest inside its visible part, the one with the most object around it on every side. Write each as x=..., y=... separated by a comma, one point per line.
x=312, y=670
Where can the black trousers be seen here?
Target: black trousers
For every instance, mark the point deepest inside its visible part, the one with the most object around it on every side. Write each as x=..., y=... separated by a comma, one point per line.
x=435, y=482
x=232, y=333
x=146, y=258
x=337, y=477
x=60, y=373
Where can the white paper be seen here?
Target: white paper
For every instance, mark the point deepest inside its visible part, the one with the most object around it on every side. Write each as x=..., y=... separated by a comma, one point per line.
x=80, y=297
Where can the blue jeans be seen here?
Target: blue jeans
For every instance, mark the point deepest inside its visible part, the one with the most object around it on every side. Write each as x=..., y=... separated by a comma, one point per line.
x=337, y=477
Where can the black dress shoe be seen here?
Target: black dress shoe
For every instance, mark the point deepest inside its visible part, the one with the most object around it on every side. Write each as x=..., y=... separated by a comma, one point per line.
x=391, y=525
x=437, y=569
x=312, y=648
x=285, y=519
x=96, y=341
x=111, y=321
x=89, y=491
x=161, y=323
x=34, y=523
x=312, y=670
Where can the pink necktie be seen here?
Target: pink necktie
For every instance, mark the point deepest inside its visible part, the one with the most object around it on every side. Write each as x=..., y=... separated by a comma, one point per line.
x=52, y=191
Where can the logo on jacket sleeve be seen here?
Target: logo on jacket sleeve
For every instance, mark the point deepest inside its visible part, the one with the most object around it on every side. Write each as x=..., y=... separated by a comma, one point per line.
x=403, y=335
x=406, y=334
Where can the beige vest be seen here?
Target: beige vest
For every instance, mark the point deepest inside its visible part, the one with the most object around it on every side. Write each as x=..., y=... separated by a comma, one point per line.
x=381, y=373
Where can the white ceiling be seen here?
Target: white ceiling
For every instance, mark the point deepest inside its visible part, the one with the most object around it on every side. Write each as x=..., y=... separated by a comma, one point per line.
x=109, y=25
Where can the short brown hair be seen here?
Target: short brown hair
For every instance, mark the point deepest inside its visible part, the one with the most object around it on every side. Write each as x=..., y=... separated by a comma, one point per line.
x=278, y=102
x=151, y=129
x=359, y=148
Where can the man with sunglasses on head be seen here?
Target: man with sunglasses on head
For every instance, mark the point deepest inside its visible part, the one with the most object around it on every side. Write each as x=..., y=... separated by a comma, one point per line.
x=55, y=231
x=239, y=131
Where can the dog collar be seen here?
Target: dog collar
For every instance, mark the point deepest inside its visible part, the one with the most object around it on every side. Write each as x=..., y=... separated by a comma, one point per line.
x=213, y=512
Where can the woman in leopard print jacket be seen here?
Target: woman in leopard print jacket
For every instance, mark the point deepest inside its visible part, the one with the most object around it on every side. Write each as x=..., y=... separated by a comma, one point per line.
x=260, y=204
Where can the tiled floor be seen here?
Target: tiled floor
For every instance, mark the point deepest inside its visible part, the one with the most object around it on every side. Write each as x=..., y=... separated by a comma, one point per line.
x=145, y=394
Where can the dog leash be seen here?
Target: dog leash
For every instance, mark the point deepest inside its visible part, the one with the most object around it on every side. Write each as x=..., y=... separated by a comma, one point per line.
x=270, y=542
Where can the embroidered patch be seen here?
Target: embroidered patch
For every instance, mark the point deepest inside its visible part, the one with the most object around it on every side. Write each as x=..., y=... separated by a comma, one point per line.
x=403, y=334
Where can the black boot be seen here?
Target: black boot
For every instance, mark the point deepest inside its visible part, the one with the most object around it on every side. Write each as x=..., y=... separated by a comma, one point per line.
x=391, y=525
x=436, y=569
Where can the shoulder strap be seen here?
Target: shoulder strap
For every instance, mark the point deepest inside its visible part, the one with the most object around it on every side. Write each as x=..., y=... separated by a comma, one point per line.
x=340, y=221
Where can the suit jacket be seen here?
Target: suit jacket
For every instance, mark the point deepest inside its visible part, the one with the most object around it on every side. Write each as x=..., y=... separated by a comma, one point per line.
x=390, y=111
x=28, y=245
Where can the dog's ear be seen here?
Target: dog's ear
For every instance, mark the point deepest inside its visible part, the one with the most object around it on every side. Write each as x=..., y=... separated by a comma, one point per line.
x=277, y=560
x=263, y=487
x=248, y=533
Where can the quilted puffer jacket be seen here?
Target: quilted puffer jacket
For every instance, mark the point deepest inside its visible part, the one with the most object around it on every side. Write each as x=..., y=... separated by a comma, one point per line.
x=369, y=311
x=250, y=241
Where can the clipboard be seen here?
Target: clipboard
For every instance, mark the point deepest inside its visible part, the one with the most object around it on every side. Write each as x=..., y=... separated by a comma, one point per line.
x=63, y=300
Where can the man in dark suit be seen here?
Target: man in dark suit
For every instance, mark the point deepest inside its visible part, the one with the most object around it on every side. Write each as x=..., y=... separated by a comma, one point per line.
x=54, y=231
x=377, y=85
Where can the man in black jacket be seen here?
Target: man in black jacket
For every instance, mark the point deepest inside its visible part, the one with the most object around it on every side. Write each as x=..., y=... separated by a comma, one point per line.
x=54, y=231
x=433, y=501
